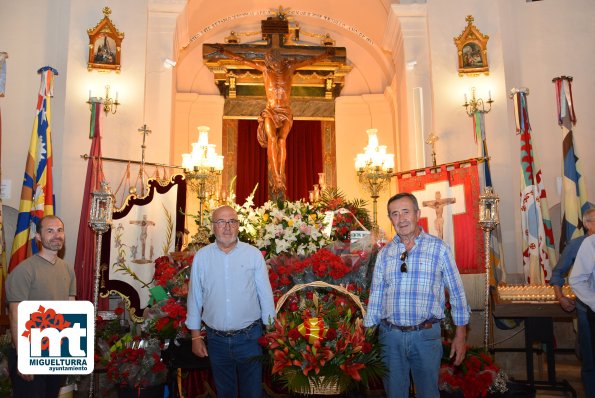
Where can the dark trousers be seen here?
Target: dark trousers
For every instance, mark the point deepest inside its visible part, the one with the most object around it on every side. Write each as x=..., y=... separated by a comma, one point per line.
x=42, y=386
x=591, y=317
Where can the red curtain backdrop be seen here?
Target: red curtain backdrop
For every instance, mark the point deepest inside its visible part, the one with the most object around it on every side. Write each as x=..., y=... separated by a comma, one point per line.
x=468, y=235
x=252, y=164
x=303, y=163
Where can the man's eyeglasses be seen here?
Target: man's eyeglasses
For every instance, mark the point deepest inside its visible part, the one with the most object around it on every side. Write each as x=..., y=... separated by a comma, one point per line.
x=223, y=223
x=403, y=264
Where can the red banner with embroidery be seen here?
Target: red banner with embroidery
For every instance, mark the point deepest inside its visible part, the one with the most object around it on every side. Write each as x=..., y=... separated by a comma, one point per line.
x=448, y=197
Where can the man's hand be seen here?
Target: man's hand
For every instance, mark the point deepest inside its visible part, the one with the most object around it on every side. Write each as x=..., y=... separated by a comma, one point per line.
x=458, y=347
x=199, y=348
x=567, y=304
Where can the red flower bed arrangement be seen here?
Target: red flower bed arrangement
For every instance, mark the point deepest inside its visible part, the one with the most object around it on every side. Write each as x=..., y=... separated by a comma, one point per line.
x=137, y=364
x=167, y=315
x=338, y=264
x=477, y=376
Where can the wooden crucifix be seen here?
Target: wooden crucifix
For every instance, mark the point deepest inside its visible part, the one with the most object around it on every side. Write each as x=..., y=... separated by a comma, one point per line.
x=278, y=64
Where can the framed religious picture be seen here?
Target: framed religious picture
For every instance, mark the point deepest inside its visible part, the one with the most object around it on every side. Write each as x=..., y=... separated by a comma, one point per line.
x=472, y=50
x=143, y=229
x=105, y=44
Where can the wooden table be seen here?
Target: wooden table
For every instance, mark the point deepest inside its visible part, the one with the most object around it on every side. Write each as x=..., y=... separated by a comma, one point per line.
x=539, y=326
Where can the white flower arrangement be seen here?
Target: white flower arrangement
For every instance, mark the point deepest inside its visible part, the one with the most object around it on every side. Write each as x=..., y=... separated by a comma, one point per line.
x=281, y=227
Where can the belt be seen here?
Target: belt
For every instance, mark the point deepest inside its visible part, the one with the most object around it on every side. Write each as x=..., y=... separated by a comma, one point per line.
x=427, y=324
x=231, y=333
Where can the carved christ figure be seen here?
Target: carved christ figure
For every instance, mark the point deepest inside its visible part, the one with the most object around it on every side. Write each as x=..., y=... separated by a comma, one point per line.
x=275, y=121
x=438, y=205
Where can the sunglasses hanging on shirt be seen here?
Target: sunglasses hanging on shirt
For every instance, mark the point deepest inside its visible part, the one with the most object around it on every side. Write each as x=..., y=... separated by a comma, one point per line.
x=404, y=264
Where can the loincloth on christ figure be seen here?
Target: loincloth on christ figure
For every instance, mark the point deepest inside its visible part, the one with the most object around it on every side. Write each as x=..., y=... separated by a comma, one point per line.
x=278, y=115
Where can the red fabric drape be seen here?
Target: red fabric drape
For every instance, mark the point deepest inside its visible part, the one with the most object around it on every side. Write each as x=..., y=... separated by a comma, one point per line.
x=304, y=158
x=84, y=263
x=303, y=163
x=252, y=164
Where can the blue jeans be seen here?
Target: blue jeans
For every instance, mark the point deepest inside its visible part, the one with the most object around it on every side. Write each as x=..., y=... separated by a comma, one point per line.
x=236, y=363
x=417, y=351
x=585, y=349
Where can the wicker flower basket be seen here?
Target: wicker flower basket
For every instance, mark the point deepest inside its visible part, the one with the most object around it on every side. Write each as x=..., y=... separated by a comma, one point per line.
x=321, y=385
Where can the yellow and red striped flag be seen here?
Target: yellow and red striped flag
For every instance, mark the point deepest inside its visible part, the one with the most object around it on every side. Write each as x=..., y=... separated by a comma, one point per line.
x=37, y=195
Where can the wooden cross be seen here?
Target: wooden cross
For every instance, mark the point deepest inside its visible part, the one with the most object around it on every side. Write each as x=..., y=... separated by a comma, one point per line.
x=278, y=62
x=276, y=32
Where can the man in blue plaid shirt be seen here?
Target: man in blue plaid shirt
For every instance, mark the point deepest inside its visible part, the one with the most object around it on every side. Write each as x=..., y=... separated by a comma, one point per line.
x=407, y=300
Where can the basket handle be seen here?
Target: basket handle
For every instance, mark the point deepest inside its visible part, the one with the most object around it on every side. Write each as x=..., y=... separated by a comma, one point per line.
x=301, y=286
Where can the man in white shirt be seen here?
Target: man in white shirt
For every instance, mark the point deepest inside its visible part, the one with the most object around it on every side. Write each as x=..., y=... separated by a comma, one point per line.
x=231, y=294
x=582, y=281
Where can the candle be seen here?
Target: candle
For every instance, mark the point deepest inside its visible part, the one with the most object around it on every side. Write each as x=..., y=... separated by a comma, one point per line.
x=89, y=95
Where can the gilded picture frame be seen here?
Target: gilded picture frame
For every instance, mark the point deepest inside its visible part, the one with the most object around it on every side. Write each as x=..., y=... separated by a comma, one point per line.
x=472, y=50
x=105, y=45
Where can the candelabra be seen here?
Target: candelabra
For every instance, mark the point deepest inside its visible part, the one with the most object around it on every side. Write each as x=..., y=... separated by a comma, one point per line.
x=477, y=104
x=202, y=168
x=110, y=105
x=374, y=168
x=100, y=221
x=488, y=220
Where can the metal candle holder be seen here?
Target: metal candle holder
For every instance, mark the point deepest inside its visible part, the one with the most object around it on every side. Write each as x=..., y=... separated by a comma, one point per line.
x=100, y=221
x=489, y=218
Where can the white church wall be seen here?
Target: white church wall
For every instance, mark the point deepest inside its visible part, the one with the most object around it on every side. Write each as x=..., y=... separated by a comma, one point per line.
x=34, y=34
x=60, y=29
x=353, y=116
x=533, y=38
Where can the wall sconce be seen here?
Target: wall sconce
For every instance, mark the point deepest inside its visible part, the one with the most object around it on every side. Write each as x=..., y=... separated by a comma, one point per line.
x=477, y=104
x=109, y=105
x=374, y=168
x=169, y=63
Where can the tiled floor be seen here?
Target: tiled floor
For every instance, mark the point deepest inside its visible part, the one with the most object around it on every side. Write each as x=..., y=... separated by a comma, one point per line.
x=567, y=368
